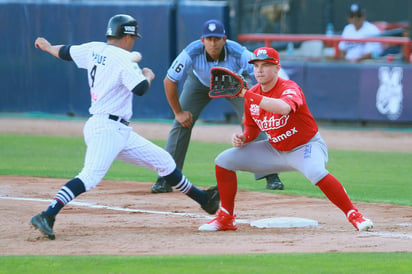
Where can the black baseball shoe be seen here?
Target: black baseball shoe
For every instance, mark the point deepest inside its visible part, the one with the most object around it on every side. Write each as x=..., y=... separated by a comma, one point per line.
x=213, y=200
x=273, y=182
x=161, y=186
x=44, y=223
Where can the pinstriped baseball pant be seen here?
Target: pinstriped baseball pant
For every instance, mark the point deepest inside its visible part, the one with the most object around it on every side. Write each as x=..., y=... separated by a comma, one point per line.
x=108, y=140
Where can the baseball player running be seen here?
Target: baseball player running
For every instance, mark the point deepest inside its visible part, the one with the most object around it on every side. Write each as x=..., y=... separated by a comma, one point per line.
x=213, y=49
x=277, y=107
x=113, y=79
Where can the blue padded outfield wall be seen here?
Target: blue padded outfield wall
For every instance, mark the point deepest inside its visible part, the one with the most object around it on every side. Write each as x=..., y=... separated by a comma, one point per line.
x=355, y=92
x=34, y=81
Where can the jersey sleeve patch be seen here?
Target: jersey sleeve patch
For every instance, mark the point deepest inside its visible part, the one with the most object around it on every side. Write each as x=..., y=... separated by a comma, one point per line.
x=292, y=98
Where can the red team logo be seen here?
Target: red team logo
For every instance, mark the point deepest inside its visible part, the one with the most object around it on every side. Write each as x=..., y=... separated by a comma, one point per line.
x=272, y=122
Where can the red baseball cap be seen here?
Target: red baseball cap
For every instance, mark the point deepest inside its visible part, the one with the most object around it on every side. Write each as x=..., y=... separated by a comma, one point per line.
x=265, y=54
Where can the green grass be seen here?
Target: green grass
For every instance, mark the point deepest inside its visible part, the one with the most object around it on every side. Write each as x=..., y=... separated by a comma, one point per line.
x=257, y=263
x=380, y=177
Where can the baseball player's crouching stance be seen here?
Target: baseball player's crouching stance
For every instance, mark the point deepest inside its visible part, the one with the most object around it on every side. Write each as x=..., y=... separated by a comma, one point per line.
x=113, y=79
x=278, y=107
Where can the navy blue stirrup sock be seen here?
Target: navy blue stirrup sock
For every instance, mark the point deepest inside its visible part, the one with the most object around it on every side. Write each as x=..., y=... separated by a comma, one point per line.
x=68, y=192
x=178, y=180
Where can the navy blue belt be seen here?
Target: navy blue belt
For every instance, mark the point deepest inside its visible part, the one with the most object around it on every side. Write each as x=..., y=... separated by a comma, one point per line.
x=118, y=119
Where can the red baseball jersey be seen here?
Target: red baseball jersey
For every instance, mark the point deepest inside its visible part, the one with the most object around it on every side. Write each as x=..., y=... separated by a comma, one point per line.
x=285, y=132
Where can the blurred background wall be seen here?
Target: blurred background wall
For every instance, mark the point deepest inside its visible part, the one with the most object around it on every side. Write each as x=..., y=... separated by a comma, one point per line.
x=338, y=91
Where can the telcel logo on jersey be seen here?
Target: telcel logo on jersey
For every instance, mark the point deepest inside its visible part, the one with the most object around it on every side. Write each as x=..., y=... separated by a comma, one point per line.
x=272, y=123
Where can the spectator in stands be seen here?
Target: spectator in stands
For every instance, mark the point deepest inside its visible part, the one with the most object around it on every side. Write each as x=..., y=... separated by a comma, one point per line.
x=359, y=27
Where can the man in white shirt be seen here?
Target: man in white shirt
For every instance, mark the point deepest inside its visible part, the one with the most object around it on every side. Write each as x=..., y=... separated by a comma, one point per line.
x=358, y=27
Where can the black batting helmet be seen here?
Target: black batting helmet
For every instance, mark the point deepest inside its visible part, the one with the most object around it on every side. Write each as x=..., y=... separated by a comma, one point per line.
x=122, y=24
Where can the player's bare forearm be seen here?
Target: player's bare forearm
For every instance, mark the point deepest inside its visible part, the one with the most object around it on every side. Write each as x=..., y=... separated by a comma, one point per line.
x=172, y=95
x=273, y=105
x=185, y=118
x=148, y=73
x=45, y=45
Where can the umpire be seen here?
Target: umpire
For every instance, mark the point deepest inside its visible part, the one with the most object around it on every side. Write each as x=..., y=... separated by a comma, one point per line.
x=211, y=50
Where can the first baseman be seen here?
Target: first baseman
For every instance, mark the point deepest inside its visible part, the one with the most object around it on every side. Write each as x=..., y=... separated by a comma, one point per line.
x=277, y=107
x=113, y=80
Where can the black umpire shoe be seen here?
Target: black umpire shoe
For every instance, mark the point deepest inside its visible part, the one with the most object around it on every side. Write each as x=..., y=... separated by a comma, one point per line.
x=161, y=186
x=213, y=200
x=273, y=182
x=44, y=223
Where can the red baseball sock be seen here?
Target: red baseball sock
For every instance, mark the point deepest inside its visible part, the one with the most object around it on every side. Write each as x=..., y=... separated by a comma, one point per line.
x=227, y=185
x=335, y=192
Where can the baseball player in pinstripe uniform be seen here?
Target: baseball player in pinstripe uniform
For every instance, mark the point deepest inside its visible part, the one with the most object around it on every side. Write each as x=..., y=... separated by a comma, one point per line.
x=113, y=79
x=213, y=49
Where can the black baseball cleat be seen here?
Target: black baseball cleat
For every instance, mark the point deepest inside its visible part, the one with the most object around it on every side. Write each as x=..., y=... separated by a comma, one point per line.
x=161, y=186
x=213, y=200
x=273, y=182
x=44, y=223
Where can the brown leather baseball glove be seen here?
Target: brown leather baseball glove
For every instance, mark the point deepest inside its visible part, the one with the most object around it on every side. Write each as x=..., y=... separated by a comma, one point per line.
x=225, y=83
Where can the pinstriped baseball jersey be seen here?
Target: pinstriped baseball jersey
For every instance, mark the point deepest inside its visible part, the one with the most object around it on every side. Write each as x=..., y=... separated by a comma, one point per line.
x=111, y=74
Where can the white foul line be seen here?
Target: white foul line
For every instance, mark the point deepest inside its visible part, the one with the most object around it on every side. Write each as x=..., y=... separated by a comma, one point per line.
x=391, y=235
x=90, y=205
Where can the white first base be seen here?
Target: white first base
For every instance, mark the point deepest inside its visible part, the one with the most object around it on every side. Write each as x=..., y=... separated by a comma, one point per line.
x=284, y=222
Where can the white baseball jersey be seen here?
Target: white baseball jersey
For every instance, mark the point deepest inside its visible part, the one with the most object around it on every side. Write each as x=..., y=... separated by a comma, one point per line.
x=356, y=50
x=112, y=75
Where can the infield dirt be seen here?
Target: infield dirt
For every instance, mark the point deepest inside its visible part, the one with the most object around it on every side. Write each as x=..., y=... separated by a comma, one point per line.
x=124, y=218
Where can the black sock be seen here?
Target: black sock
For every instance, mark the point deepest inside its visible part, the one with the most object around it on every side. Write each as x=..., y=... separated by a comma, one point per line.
x=178, y=180
x=68, y=192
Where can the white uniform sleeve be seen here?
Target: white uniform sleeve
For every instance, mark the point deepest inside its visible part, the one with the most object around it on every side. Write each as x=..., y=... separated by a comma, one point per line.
x=80, y=53
x=132, y=75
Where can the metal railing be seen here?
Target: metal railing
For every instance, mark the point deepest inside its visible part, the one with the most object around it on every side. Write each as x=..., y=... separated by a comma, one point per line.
x=333, y=40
